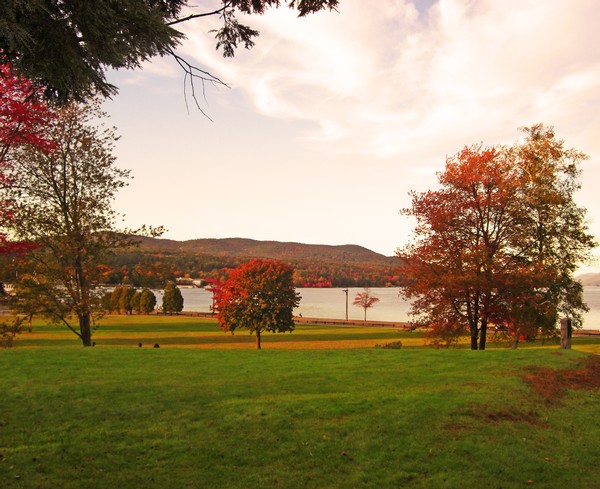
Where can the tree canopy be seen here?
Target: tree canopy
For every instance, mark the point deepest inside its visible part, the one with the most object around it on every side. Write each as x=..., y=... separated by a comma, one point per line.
x=68, y=46
x=172, y=301
x=62, y=203
x=258, y=296
x=499, y=242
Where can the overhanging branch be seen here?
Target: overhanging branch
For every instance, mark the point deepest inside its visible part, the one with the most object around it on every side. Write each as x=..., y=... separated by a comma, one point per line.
x=192, y=74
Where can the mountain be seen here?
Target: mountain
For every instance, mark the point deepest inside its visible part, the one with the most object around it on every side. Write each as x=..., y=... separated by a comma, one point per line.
x=155, y=261
x=589, y=279
x=250, y=248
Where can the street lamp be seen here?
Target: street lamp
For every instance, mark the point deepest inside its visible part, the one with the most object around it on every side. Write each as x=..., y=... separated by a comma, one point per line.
x=346, y=292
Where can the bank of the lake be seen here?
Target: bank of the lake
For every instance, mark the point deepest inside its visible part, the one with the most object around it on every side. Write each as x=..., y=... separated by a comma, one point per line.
x=331, y=303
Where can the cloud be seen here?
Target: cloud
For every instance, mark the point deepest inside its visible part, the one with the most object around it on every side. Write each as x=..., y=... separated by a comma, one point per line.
x=382, y=81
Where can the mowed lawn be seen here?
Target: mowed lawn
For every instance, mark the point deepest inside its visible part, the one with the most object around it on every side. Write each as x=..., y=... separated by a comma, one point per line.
x=193, y=332
x=129, y=417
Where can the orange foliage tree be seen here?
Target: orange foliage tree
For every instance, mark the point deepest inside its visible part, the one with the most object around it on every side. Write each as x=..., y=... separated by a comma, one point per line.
x=258, y=296
x=498, y=243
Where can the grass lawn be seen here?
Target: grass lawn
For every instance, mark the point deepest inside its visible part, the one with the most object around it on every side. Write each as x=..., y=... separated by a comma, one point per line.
x=191, y=332
x=127, y=417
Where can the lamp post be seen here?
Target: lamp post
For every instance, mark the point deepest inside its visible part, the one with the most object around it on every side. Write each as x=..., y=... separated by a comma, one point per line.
x=346, y=292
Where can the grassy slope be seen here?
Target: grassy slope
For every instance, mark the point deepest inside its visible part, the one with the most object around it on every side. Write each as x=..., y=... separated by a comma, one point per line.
x=130, y=417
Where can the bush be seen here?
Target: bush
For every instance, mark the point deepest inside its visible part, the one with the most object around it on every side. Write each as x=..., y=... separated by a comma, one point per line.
x=8, y=331
x=392, y=345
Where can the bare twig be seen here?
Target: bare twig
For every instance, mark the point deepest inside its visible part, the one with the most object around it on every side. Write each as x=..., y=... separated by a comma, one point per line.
x=192, y=73
x=195, y=16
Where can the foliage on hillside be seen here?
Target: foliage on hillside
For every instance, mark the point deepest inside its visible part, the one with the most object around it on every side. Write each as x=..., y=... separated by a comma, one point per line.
x=158, y=261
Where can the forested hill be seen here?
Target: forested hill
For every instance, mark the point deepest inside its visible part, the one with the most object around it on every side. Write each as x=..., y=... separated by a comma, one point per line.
x=250, y=248
x=158, y=260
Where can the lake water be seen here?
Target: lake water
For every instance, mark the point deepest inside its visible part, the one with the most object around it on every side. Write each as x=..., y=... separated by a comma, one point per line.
x=331, y=303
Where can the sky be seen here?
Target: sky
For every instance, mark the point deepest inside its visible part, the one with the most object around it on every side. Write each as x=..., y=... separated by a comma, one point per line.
x=329, y=121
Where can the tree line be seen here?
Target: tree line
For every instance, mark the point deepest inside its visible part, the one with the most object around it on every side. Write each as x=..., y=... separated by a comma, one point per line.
x=153, y=269
x=126, y=299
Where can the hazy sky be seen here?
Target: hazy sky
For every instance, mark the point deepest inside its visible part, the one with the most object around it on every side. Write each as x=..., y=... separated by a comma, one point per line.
x=332, y=119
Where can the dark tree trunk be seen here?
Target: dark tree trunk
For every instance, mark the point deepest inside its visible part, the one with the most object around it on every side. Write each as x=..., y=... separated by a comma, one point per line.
x=474, y=337
x=515, y=344
x=85, y=329
x=258, y=340
x=483, y=334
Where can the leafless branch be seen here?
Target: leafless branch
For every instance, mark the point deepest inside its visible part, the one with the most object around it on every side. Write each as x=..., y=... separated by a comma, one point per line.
x=193, y=73
x=204, y=14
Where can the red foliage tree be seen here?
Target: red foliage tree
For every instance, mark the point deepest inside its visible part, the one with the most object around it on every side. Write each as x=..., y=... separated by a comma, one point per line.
x=365, y=300
x=24, y=118
x=258, y=296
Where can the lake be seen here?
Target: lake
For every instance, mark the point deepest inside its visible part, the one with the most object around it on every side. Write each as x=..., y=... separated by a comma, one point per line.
x=331, y=303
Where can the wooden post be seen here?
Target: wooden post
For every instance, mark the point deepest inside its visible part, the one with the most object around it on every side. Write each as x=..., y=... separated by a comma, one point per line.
x=566, y=331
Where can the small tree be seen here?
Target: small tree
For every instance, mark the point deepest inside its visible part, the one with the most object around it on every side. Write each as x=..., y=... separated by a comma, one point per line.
x=258, y=296
x=115, y=299
x=172, y=299
x=135, y=301
x=147, y=301
x=125, y=305
x=365, y=300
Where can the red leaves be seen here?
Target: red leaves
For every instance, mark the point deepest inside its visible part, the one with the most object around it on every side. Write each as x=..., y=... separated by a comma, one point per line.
x=258, y=296
x=24, y=117
x=365, y=300
x=497, y=243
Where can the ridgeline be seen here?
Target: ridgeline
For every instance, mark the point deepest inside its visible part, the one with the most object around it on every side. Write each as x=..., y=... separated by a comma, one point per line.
x=157, y=260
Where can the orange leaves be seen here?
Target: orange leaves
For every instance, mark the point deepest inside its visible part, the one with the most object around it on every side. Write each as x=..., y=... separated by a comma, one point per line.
x=499, y=240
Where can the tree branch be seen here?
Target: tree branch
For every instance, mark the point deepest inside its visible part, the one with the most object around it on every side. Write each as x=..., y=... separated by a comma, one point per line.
x=193, y=73
x=196, y=16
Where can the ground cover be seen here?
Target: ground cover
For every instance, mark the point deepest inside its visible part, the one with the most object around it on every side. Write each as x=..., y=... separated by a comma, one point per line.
x=372, y=418
x=194, y=332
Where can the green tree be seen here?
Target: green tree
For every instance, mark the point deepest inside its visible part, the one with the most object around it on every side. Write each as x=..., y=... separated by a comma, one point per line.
x=135, y=301
x=147, y=301
x=68, y=45
x=172, y=299
x=115, y=299
x=499, y=242
x=63, y=204
x=106, y=302
x=258, y=296
x=127, y=294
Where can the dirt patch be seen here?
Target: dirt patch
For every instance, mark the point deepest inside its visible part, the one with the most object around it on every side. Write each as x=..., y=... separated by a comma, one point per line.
x=553, y=384
x=529, y=417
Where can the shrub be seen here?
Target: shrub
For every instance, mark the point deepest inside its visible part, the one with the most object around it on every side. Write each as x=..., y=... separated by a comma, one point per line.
x=392, y=345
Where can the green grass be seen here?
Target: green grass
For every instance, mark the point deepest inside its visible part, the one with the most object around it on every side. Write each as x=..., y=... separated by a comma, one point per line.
x=360, y=418
x=190, y=332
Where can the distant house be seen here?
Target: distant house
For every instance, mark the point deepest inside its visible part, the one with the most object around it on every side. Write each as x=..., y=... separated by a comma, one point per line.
x=189, y=282
x=7, y=288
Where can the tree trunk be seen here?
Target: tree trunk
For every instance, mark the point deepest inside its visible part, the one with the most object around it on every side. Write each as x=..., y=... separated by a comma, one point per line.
x=474, y=337
x=515, y=344
x=483, y=334
x=258, y=340
x=565, y=333
x=365, y=314
x=85, y=329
